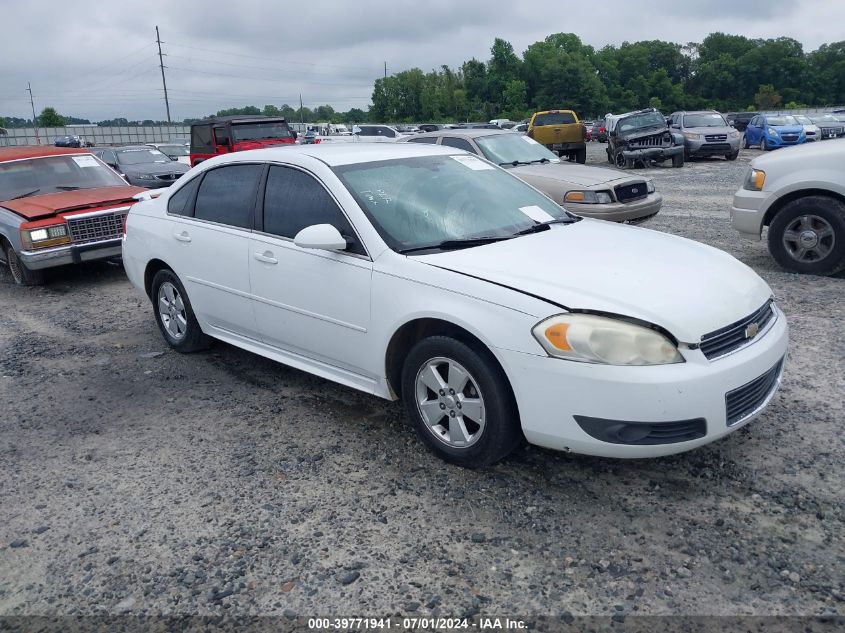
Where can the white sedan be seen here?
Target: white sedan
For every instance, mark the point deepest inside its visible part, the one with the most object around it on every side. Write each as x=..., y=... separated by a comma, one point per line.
x=422, y=272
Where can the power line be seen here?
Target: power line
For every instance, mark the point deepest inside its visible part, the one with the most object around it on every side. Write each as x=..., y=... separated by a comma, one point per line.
x=274, y=80
x=251, y=66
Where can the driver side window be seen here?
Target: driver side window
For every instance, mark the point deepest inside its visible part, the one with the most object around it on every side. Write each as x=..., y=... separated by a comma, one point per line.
x=294, y=200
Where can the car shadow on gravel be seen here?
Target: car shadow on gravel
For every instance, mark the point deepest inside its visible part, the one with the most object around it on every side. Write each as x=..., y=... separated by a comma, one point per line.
x=64, y=278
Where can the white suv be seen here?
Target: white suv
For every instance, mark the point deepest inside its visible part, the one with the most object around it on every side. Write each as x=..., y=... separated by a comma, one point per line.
x=800, y=195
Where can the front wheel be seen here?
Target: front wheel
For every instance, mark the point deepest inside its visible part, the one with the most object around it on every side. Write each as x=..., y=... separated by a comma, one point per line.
x=764, y=145
x=22, y=275
x=581, y=156
x=174, y=314
x=808, y=236
x=732, y=155
x=460, y=402
x=678, y=160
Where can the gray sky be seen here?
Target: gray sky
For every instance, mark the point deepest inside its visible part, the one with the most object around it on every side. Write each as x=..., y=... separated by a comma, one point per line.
x=97, y=60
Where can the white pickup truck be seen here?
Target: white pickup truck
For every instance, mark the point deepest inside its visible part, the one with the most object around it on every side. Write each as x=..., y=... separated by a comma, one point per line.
x=799, y=193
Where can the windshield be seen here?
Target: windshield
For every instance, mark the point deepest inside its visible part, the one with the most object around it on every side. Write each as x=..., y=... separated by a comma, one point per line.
x=554, y=118
x=420, y=202
x=54, y=173
x=803, y=120
x=261, y=131
x=140, y=156
x=174, y=150
x=825, y=118
x=638, y=121
x=510, y=148
x=781, y=120
x=710, y=119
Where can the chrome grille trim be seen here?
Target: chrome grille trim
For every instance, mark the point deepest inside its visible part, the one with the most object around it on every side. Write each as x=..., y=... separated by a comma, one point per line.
x=732, y=338
x=95, y=227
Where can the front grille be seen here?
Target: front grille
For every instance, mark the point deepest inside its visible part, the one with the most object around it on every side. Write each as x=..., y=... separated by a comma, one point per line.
x=630, y=192
x=732, y=337
x=744, y=401
x=95, y=228
x=830, y=131
x=649, y=141
x=716, y=137
x=168, y=177
x=716, y=147
x=790, y=138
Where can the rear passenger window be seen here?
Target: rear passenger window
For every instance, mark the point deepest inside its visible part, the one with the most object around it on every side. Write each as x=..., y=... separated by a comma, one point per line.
x=294, y=200
x=179, y=203
x=227, y=195
x=424, y=139
x=458, y=143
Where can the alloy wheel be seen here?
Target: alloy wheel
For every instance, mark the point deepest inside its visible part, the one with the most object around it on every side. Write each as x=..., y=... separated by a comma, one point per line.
x=450, y=402
x=171, y=310
x=809, y=238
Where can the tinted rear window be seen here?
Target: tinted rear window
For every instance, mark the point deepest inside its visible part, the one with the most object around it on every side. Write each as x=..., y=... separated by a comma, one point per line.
x=227, y=195
x=554, y=118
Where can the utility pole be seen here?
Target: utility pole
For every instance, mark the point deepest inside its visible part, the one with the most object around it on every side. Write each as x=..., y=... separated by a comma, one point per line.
x=163, y=80
x=300, y=110
x=34, y=119
x=385, y=70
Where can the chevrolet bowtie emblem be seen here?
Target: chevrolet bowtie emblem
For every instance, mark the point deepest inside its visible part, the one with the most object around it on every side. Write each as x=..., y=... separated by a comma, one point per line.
x=751, y=330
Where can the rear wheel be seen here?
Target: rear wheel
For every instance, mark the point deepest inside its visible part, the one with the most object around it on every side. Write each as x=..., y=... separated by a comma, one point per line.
x=174, y=314
x=460, y=402
x=581, y=156
x=22, y=275
x=808, y=236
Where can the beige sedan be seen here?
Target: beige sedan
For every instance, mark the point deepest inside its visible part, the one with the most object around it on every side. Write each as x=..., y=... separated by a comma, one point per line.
x=594, y=192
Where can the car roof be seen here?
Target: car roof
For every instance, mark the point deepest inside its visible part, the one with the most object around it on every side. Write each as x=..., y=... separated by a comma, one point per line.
x=466, y=131
x=37, y=151
x=339, y=154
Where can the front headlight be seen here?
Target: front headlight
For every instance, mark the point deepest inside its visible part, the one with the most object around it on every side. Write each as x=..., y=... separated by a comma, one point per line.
x=649, y=186
x=772, y=131
x=588, y=197
x=754, y=180
x=594, y=339
x=692, y=136
x=734, y=134
x=44, y=237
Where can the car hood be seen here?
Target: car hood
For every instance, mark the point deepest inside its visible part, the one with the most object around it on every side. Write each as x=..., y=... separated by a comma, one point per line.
x=685, y=287
x=788, y=129
x=49, y=204
x=830, y=152
x=569, y=172
x=154, y=169
x=708, y=130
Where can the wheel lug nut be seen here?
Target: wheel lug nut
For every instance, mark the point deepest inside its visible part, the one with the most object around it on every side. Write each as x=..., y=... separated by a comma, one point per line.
x=442, y=406
x=451, y=392
x=442, y=393
x=451, y=414
x=459, y=405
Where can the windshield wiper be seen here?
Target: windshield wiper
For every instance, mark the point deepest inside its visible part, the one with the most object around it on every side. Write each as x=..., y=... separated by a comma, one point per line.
x=24, y=195
x=545, y=226
x=450, y=245
x=66, y=187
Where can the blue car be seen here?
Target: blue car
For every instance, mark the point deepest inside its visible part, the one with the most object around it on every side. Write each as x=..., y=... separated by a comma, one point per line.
x=771, y=131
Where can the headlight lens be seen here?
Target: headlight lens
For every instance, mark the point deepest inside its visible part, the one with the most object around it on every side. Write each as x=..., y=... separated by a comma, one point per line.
x=734, y=134
x=691, y=136
x=594, y=339
x=588, y=197
x=45, y=236
x=772, y=131
x=754, y=180
x=649, y=186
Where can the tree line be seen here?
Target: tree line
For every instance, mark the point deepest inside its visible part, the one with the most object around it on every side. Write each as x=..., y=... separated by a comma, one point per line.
x=723, y=72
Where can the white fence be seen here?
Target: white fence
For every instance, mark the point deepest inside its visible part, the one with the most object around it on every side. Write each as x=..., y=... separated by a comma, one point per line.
x=96, y=135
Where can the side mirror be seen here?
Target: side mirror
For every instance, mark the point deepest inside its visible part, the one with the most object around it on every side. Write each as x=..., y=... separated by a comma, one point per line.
x=323, y=237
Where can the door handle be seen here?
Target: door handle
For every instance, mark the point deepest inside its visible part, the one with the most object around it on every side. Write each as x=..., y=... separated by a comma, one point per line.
x=266, y=257
x=183, y=236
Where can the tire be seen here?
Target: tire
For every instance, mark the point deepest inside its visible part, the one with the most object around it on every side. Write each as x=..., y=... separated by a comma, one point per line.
x=732, y=155
x=581, y=156
x=22, y=275
x=764, y=146
x=820, y=217
x=487, y=435
x=745, y=143
x=609, y=157
x=620, y=162
x=678, y=160
x=174, y=314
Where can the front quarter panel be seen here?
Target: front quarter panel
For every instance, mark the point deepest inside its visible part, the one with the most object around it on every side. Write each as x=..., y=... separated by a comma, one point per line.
x=10, y=229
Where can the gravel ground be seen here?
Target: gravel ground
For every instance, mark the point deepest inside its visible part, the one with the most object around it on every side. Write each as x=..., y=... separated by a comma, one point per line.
x=135, y=479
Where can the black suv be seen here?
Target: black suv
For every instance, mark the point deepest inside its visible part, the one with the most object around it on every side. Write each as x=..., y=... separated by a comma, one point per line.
x=740, y=120
x=642, y=137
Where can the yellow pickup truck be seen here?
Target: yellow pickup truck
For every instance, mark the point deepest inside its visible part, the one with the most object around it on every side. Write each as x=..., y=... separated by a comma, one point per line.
x=561, y=132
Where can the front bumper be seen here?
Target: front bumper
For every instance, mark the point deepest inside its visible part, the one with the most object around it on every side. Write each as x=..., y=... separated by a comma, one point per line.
x=619, y=211
x=71, y=254
x=652, y=153
x=747, y=213
x=775, y=142
x=713, y=148
x=550, y=392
